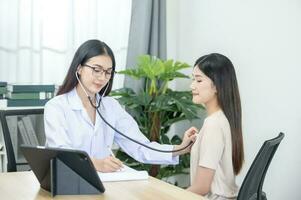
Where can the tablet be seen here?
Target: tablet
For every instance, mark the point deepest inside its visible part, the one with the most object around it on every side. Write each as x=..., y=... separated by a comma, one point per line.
x=39, y=159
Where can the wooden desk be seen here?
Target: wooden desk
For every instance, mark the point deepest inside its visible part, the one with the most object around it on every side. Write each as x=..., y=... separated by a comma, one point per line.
x=24, y=185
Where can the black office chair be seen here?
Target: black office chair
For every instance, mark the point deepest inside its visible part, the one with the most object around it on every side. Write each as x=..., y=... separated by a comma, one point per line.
x=251, y=188
x=11, y=159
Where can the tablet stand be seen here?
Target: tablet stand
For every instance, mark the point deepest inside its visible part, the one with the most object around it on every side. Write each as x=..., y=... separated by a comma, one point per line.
x=64, y=181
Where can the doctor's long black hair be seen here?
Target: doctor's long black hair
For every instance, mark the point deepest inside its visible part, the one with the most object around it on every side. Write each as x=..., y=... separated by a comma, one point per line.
x=87, y=50
x=221, y=71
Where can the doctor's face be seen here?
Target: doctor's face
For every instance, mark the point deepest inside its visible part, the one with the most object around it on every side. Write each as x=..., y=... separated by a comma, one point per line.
x=96, y=73
x=202, y=87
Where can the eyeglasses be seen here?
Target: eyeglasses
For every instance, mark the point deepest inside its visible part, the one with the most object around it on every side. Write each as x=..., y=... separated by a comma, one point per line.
x=98, y=71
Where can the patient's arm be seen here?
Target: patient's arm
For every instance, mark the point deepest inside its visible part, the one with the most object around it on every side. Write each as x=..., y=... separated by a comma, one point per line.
x=202, y=183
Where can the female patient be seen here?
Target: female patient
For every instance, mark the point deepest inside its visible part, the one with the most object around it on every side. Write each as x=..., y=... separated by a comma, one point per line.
x=217, y=155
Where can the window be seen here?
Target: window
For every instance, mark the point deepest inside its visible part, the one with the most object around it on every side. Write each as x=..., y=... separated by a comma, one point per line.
x=39, y=38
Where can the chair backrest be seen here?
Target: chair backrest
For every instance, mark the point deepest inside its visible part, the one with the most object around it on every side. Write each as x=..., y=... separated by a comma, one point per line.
x=251, y=187
x=11, y=159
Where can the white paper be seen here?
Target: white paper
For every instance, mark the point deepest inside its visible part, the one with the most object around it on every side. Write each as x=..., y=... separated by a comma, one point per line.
x=126, y=174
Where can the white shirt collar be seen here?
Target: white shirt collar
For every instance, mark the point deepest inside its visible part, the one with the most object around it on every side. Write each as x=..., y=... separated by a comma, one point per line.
x=75, y=101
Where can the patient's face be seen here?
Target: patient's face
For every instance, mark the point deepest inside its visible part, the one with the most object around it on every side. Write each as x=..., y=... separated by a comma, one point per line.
x=202, y=87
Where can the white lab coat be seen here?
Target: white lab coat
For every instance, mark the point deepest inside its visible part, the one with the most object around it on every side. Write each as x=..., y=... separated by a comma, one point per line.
x=67, y=125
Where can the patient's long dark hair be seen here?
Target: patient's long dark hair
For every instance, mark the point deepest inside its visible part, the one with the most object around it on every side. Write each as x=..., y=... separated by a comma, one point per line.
x=87, y=50
x=221, y=71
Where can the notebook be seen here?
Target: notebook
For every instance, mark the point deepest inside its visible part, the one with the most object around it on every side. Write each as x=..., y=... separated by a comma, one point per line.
x=125, y=174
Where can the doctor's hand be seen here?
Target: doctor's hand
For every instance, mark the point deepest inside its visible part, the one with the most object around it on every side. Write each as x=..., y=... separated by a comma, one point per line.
x=189, y=136
x=108, y=164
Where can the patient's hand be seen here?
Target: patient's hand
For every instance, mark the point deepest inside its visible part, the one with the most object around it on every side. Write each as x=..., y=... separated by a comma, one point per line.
x=189, y=136
x=108, y=164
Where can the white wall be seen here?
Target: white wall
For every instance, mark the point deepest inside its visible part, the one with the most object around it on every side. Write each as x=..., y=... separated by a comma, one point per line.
x=263, y=40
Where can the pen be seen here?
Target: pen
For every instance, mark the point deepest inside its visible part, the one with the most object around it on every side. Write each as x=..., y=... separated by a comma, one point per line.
x=112, y=154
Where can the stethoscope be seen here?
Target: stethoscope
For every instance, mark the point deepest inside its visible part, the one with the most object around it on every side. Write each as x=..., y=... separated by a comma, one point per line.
x=97, y=106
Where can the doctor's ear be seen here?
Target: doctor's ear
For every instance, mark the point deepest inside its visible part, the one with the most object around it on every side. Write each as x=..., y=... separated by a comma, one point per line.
x=79, y=69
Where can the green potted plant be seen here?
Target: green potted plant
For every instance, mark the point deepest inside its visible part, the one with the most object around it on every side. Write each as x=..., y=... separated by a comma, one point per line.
x=156, y=107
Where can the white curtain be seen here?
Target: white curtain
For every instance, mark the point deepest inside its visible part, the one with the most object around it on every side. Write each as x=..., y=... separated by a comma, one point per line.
x=38, y=38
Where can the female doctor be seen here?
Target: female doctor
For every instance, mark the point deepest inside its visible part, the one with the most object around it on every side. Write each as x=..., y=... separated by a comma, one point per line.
x=71, y=119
